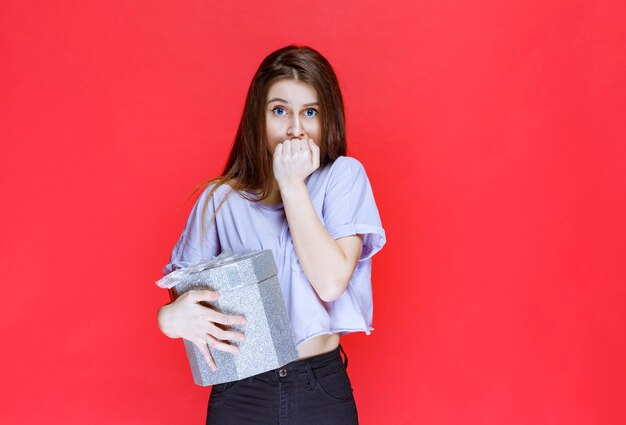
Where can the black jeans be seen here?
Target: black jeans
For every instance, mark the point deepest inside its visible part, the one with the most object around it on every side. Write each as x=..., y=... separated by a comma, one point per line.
x=316, y=390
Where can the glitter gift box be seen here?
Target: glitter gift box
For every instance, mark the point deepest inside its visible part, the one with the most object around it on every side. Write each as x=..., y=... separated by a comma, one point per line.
x=248, y=286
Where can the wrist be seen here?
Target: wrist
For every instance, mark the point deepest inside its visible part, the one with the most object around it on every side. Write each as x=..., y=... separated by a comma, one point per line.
x=291, y=189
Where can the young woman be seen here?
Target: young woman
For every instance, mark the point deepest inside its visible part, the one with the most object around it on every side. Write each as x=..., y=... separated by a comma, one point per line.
x=288, y=186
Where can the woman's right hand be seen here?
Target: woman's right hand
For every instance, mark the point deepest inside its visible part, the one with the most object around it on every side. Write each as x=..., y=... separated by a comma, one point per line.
x=187, y=318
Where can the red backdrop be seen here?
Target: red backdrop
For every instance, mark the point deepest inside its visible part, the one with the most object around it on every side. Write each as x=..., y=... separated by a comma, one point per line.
x=493, y=135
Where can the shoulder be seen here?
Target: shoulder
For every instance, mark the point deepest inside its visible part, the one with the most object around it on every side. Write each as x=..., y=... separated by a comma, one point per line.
x=349, y=162
x=347, y=170
x=216, y=195
x=211, y=196
x=347, y=165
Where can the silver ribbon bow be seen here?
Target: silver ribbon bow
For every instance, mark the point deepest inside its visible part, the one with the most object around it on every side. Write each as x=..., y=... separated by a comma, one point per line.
x=171, y=279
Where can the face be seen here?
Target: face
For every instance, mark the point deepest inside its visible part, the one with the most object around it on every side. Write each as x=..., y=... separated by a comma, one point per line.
x=292, y=111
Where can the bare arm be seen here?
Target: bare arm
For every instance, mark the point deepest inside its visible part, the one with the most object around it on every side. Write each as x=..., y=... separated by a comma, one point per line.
x=326, y=262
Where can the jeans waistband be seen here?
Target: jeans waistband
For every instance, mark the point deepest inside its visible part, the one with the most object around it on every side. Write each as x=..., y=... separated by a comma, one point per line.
x=309, y=368
x=320, y=360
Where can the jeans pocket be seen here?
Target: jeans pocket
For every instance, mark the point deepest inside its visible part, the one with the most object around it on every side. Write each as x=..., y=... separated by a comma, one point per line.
x=336, y=385
x=218, y=389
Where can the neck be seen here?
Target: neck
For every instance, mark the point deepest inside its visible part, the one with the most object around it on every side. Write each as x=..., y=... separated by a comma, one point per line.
x=274, y=197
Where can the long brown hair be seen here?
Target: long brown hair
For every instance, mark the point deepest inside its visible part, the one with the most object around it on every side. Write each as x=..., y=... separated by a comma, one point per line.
x=249, y=165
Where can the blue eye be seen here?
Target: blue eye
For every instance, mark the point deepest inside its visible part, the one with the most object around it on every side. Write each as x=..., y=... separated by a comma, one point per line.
x=311, y=110
x=278, y=108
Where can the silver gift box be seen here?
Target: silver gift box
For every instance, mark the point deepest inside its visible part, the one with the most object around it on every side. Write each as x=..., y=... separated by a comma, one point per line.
x=248, y=286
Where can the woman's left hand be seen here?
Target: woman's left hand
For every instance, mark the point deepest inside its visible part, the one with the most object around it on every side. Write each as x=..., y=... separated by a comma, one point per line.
x=294, y=160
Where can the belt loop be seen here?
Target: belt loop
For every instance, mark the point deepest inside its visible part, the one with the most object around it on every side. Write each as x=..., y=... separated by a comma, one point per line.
x=344, y=355
x=309, y=374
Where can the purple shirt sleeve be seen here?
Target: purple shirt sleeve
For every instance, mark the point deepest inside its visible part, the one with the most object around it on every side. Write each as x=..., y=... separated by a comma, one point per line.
x=350, y=208
x=193, y=246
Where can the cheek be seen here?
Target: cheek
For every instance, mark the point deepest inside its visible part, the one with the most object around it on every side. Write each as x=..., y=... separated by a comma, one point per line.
x=273, y=128
x=318, y=137
x=315, y=131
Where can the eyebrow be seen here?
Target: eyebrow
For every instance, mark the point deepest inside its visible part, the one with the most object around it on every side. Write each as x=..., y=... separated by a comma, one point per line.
x=278, y=99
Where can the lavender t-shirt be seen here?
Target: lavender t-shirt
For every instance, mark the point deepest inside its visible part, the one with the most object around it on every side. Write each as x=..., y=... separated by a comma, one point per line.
x=342, y=196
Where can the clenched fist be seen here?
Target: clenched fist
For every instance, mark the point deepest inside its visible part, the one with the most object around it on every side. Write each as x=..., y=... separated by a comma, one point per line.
x=294, y=160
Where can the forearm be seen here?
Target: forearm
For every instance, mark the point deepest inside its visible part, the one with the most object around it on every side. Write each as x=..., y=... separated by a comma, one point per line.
x=321, y=258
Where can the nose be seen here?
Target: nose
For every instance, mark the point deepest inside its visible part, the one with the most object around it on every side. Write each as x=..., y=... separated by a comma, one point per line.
x=295, y=128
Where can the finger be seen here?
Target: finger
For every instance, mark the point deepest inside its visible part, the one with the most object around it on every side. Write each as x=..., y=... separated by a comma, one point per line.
x=279, y=150
x=203, y=295
x=302, y=146
x=287, y=147
x=315, y=151
x=220, y=345
x=224, y=334
x=204, y=350
x=305, y=146
x=296, y=145
x=227, y=319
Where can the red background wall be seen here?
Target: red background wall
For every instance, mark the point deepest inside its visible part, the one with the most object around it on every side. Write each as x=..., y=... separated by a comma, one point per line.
x=493, y=135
